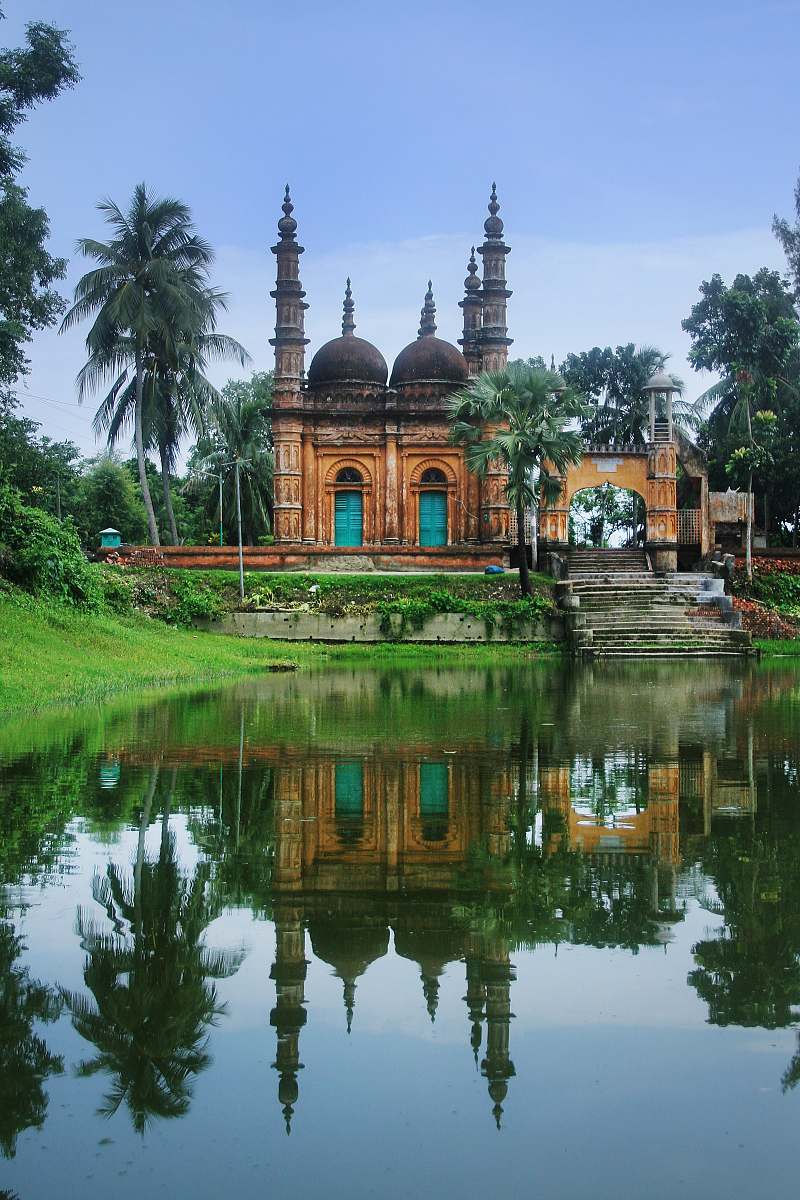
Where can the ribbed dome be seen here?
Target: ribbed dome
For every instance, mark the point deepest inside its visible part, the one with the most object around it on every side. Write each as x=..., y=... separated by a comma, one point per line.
x=348, y=359
x=429, y=359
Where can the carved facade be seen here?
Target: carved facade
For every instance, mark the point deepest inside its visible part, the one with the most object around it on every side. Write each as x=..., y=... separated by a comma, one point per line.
x=363, y=458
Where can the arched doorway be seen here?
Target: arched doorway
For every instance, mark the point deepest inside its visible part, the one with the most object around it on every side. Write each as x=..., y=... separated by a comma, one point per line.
x=607, y=516
x=433, y=508
x=348, y=508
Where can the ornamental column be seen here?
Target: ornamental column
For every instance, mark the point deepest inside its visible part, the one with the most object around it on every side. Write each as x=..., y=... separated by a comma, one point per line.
x=494, y=343
x=287, y=405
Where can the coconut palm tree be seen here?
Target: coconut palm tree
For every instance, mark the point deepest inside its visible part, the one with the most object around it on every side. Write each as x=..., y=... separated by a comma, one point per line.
x=176, y=392
x=148, y=274
x=520, y=416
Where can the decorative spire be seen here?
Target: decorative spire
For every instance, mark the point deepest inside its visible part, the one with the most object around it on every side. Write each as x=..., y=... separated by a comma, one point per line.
x=287, y=224
x=472, y=283
x=553, y=363
x=493, y=224
x=348, y=324
x=349, y=1001
x=427, y=324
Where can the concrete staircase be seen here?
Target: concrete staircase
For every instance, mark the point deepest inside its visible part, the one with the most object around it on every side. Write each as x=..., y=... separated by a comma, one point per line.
x=615, y=606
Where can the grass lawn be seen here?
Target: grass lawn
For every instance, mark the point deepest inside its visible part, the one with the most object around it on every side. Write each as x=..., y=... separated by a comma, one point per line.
x=53, y=655
x=778, y=647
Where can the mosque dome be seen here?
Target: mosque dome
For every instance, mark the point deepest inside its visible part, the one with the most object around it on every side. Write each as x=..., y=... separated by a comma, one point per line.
x=429, y=359
x=348, y=359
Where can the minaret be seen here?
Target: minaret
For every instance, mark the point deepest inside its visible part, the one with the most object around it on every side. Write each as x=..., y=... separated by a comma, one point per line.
x=472, y=308
x=494, y=339
x=494, y=342
x=497, y=974
x=348, y=308
x=290, y=343
x=289, y=1015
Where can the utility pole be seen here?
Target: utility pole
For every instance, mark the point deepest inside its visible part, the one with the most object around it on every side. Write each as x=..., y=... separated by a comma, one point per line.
x=239, y=528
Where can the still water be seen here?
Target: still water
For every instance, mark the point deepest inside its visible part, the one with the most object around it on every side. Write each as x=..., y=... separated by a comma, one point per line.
x=407, y=933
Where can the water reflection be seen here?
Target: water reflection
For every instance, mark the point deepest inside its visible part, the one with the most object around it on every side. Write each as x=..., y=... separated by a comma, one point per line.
x=453, y=819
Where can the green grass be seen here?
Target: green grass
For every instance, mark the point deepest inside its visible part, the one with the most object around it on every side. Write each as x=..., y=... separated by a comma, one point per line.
x=57, y=655
x=778, y=648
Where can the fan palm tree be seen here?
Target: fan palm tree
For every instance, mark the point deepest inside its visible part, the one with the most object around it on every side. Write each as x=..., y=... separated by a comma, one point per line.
x=147, y=275
x=521, y=417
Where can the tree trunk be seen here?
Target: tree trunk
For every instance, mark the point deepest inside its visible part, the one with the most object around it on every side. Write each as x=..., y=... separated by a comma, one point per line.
x=173, y=527
x=140, y=460
x=524, y=574
x=748, y=552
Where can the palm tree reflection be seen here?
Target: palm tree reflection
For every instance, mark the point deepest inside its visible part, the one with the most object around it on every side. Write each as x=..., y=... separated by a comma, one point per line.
x=152, y=1003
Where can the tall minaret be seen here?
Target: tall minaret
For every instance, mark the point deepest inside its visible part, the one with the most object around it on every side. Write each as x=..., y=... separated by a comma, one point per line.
x=289, y=1015
x=472, y=308
x=494, y=337
x=290, y=343
x=494, y=342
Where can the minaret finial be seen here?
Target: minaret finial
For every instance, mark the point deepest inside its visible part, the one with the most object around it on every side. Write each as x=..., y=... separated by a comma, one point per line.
x=553, y=363
x=348, y=324
x=493, y=224
x=472, y=283
x=349, y=1002
x=287, y=225
x=427, y=324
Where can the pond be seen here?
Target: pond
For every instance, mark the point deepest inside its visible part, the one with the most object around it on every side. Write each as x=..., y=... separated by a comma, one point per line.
x=395, y=932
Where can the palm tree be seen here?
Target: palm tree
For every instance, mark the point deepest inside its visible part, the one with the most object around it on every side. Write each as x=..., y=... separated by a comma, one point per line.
x=148, y=275
x=176, y=391
x=239, y=438
x=521, y=417
x=613, y=381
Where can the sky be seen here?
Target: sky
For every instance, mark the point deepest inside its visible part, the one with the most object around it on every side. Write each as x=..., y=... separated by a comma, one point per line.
x=637, y=148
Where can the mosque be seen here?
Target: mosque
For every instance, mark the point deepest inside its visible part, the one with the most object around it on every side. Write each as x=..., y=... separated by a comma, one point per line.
x=363, y=462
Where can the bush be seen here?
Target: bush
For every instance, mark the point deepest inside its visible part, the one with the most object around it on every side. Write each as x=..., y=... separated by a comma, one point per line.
x=43, y=555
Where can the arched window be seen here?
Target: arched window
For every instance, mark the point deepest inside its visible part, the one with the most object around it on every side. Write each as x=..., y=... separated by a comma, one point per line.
x=433, y=475
x=349, y=475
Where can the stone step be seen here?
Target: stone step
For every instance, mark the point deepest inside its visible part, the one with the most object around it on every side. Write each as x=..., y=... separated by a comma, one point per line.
x=676, y=652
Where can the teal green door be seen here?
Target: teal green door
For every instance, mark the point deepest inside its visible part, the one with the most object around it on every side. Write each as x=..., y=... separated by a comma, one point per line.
x=433, y=518
x=349, y=523
x=433, y=801
x=349, y=789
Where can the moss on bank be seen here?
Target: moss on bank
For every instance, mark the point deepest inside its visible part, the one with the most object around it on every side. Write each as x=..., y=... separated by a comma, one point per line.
x=59, y=655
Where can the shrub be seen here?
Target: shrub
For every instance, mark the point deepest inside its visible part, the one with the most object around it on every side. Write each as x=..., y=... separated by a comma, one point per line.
x=43, y=555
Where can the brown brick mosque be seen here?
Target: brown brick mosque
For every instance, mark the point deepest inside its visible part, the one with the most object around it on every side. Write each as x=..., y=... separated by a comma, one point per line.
x=363, y=462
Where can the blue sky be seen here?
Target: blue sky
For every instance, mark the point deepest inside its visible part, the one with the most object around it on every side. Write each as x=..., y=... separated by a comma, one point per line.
x=637, y=148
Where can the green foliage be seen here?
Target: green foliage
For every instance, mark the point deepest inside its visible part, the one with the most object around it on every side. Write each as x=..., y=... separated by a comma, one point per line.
x=28, y=301
x=192, y=596
x=44, y=556
x=778, y=589
x=789, y=237
x=109, y=498
x=613, y=382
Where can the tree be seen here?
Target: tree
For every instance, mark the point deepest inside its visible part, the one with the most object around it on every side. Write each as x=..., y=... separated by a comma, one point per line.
x=749, y=332
x=40, y=71
x=150, y=279
x=520, y=417
x=176, y=391
x=108, y=497
x=613, y=383
x=239, y=426
x=789, y=237
x=46, y=473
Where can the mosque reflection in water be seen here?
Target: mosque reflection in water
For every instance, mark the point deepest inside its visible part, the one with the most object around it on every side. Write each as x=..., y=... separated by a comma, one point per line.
x=386, y=842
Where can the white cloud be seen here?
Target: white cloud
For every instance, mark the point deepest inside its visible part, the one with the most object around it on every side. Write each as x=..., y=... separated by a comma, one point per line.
x=568, y=296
